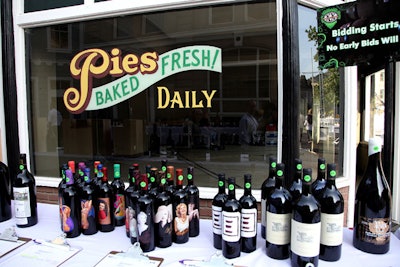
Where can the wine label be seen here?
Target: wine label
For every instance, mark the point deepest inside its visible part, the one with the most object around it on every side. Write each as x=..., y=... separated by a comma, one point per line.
x=88, y=214
x=331, y=229
x=248, y=226
x=305, y=238
x=278, y=228
x=217, y=220
x=374, y=230
x=22, y=206
x=131, y=222
x=103, y=214
x=119, y=207
x=231, y=226
x=263, y=212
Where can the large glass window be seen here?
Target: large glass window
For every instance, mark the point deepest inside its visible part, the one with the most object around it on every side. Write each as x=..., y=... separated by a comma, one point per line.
x=235, y=135
x=320, y=112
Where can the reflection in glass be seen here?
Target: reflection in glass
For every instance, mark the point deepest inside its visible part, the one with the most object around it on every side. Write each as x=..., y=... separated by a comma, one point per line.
x=139, y=129
x=319, y=118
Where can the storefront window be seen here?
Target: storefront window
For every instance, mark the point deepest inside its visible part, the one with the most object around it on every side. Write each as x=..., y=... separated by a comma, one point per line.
x=38, y=5
x=149, y=127
x=320, y=111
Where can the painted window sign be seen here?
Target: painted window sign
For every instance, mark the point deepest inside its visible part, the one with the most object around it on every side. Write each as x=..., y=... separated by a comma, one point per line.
x=137, y=73
x=358, y=32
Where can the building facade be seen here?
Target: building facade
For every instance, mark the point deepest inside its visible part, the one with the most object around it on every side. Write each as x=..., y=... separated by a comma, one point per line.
x=239, y=83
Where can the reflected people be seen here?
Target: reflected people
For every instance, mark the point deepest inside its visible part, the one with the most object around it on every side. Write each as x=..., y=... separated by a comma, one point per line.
x=248, y=124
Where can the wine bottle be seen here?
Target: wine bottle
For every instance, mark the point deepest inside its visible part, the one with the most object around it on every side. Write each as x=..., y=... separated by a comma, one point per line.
x=105, y=201
x=25, y=203
x=163, y=216
x=306, y=226
x=279, y=213
x=170, y=180
x=179, y=207
x=5, y=193
x=88, y=202
x=193, y=204
x=133, y=171
x=319, y=184
x=119, y=197
x=295, y=188
x=332, y=214
x=217, y=204
x=248, y=228
x=71, y=207
x=231, y=223
x=61, y=187
x=372, y=214
x=132, y=196
x=145, y=216
x=267, y=186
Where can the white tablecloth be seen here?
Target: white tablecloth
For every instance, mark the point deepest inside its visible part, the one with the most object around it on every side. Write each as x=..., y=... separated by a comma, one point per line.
x=95, y=247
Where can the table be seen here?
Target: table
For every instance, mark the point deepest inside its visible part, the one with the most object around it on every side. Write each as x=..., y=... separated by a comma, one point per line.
x=95, y=247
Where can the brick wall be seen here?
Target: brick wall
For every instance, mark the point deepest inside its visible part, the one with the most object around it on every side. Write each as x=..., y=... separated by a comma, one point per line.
x=49, y=195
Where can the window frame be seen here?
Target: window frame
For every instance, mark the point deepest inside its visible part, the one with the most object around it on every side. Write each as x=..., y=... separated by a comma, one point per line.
x=92, y=10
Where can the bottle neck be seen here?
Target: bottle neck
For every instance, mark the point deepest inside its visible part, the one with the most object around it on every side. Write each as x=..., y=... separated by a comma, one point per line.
x=221, y=186
x=231, y=191
x=321, y=175
x=272, y=172
x=331, y=181
x=298, y=175
x=279, y=181
x=247, y=186
x=306, y=188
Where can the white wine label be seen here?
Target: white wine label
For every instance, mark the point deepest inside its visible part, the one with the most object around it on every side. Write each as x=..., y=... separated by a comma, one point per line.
x=375, y=230
x=217, y=220
x=231, y=226
x=278, y=228
x=331, y=229
x=248, y=226
x=22, y=202
x=305, y=238
x=263, y=212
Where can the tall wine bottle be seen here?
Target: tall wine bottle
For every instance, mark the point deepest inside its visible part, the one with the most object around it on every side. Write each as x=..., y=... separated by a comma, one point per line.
x=105, y=201
x=306, y=226
x=163, y=216
x=5, y=193
x=332, y=214
x=193, y=203
x=267, y=186
x=119, y=197
x=145, y=216
x=319, y=184
x=132, y=196
x=25, y=203
x=372, y=214
x=71, y=208
x=279, y=213
x=231, y=223
x=295, y=188
x=88, y=202
x=217, y=204
x=180, y=209
x=248, y=228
